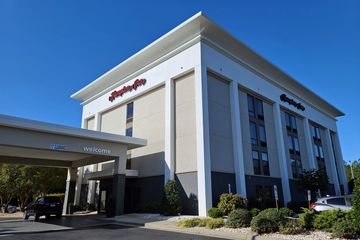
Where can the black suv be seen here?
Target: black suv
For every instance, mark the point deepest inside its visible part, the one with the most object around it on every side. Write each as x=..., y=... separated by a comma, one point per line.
x=44, y=206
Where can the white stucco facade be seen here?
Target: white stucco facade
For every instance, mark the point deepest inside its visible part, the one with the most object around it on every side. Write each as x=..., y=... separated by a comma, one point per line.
x=201, y=76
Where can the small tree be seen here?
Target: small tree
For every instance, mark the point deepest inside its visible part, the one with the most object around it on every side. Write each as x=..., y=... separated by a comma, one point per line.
x=356, y=203
x=172, y=200
x=8, y=176
x=313, y=180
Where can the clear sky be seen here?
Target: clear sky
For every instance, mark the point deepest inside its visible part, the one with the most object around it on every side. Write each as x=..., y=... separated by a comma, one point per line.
x=51, y=49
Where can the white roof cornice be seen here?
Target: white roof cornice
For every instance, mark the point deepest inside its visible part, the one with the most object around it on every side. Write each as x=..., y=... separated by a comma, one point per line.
x=209, y=32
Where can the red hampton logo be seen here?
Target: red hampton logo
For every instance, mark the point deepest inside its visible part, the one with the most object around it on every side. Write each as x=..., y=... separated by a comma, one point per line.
x=137, y=83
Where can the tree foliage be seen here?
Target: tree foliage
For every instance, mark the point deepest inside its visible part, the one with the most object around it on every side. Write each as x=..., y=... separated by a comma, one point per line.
x=8, y=179
x=172, y=199
x=356, y=204
x=24, y=182
x=352, y=172
x=313, y=180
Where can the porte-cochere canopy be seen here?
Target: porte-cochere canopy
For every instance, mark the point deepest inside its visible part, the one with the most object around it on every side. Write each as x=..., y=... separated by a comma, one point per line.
x=29, y=142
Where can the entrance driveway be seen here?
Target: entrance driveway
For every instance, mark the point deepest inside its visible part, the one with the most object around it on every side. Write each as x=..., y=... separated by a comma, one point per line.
x=52, y=224
x=106, y=232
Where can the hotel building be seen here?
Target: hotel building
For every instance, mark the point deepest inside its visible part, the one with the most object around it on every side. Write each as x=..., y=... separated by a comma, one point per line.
x=217, y=118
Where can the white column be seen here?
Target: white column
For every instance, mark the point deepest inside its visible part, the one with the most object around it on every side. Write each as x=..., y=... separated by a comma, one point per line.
x=331, y=161
x=202, y=141
x=70, y=190
x=78, y=185
x=281, y=154
x=309, y=144
x=340, y=161
x=94, y=167
x=237, y=140
x=169, y=131
x=79, y=179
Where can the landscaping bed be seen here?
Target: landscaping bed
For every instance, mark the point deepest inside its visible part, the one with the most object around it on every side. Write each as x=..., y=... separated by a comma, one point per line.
x=233, y=216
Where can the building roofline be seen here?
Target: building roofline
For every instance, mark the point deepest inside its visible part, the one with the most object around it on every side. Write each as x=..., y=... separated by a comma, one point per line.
x=200, y=25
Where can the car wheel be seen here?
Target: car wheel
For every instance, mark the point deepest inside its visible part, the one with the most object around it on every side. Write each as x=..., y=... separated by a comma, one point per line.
x=37, y=217
x=58, y=215
x=47, y=216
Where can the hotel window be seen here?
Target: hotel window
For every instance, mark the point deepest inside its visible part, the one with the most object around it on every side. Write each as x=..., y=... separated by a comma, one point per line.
x=129, y=129
x=129, y=119
x=293, y=145
x=290, y=122
x=258, y=136
x=316, y=133
x=253, y=133
x=318, y=148
x=255, y=107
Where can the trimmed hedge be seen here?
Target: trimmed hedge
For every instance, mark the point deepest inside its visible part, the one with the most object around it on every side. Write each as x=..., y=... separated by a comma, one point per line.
x=326, y=219
x=239, y=218
x=291, y=226
x=344, y=229
x=262, y=224
x=254, y=212
x=307, y=218
x=215, y=223
x=189, y=223
x=270, y=220
x=215, y=213
x=229, y=202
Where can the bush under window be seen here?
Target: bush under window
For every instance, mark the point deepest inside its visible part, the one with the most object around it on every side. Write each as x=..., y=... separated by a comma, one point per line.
x=229, y=202
x=239, y=218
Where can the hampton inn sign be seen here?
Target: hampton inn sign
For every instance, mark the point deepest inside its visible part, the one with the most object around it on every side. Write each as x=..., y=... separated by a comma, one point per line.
x=137, y=83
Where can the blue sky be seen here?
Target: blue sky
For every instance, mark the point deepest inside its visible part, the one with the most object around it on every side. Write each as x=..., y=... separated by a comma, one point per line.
x=51, y=49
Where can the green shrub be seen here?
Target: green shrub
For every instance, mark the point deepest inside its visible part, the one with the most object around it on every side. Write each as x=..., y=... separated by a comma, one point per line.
x=229, y=202
x=189, y=223
x=270, y=220
x=254, y=212
x=307, y=218
x=215, y=213
x=291, y=226
x=286, y=212
x=215, y=223
x=204, y=221
x=262, y=224
x=326, y=219
x=172, y=201
x=239, y=218
x=271, y=213
x=344, y=229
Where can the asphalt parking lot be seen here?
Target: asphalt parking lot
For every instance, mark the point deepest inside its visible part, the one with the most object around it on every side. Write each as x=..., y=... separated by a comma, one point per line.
x=108, y=231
